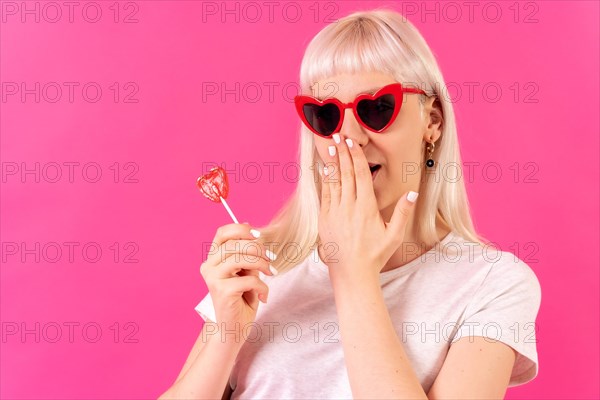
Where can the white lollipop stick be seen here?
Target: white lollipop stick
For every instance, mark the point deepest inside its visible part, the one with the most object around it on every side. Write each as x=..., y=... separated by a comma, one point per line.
x=229, y=210
x=225, y=205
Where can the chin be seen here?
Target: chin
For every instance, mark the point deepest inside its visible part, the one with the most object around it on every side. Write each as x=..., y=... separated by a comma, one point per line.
x=381, y=204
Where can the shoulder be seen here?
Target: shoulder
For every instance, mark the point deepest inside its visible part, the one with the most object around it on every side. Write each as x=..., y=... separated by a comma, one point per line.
x=510, y=285
x=500, y=272
x=500, y=262
x=509, y=271
x=505, y=307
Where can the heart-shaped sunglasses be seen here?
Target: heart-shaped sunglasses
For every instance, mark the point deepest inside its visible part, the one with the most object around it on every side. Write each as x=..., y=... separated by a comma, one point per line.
x=375, y=112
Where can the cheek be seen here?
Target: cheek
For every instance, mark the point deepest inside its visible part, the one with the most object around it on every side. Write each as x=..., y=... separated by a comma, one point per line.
x=402, y=156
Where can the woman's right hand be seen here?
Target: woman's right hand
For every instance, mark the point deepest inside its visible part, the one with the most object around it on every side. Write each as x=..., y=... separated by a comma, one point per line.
x=231, y=272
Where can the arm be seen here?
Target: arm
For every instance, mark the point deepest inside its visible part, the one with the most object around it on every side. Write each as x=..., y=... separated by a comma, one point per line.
x=196, y=350
x=206, y=371
x=236, y=289
x=377, y=364
x=475, y=368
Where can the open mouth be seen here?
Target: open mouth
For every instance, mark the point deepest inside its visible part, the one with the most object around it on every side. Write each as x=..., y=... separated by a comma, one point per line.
x=374, y=169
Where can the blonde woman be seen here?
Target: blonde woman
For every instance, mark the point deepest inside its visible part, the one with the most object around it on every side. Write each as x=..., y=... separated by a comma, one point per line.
x=373, y=280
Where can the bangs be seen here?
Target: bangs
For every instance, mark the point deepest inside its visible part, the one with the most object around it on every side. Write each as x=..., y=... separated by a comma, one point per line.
x=357, y=46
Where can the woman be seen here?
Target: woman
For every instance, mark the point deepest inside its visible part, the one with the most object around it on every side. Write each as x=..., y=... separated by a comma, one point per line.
x=381, y=287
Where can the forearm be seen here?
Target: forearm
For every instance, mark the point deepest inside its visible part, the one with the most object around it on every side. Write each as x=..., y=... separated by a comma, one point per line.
x=208, y=375
x=377, y=364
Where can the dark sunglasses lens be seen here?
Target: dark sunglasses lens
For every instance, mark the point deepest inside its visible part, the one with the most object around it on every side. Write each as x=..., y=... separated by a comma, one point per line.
x=377, y=113
x=323, y=119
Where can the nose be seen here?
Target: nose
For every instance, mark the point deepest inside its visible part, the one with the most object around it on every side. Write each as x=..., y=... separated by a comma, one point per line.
x=352, y=129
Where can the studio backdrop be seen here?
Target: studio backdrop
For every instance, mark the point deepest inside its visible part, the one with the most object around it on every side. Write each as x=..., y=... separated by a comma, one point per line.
x=110, y=111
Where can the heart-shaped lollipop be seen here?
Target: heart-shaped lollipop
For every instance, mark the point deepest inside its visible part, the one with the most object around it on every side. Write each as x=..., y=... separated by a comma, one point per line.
x=215, y=186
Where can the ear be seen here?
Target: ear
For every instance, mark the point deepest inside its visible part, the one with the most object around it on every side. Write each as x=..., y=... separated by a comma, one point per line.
x=434, y=118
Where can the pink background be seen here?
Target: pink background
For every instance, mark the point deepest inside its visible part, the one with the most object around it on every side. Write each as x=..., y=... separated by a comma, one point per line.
x=166, y=138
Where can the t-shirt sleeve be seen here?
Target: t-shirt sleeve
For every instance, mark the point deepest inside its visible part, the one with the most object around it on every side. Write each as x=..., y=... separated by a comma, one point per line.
x=505, y=309
x=206, y=309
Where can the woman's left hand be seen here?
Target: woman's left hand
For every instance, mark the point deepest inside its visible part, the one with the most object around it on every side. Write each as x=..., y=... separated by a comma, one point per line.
x=350, y=222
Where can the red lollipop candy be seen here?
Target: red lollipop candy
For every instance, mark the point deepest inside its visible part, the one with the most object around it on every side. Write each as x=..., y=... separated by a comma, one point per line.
x=215, y=186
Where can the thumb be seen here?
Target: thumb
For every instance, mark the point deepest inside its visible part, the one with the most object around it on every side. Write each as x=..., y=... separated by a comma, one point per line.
x=402, y=211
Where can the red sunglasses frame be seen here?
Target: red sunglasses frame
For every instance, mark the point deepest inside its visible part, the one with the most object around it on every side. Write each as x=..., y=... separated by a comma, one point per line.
x=395, y=89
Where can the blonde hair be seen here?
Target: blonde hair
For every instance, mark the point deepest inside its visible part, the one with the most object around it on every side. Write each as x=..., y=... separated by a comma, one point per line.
x=378, y=40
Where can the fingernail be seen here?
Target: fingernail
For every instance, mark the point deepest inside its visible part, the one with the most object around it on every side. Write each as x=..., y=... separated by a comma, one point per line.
x=336, y=138
x=261, y=275
x=349, y=142
x=255, y=233
x=332, y=151
x=325, y=170
x=412, y=196
x=273, y=270
x=271, y=255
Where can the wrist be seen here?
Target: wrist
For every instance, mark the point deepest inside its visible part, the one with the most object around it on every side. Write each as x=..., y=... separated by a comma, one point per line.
x=350, y=278
x=350, y=291
x=226, y=336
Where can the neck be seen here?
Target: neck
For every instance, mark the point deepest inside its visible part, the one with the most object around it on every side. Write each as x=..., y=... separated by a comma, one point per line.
x=410, y=249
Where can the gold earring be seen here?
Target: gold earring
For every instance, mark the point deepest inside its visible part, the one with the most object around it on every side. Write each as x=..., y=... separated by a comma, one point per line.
x=430, y=148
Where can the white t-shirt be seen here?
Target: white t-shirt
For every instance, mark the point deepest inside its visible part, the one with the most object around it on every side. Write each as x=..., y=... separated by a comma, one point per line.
x=293, y=349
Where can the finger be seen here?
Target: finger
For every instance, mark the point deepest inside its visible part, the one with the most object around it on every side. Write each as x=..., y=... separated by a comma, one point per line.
x=233, y=265
x=364, y=180
x=333, y=177
x=251, y=297
x=252, y=272
x=225, y=233
x=248, y=250
x=404, y=207
x=325, y=192
x=237, y=286
x=346, y=170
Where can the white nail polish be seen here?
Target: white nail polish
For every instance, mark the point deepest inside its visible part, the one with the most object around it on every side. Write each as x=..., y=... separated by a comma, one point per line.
x=349, y=142
x=332, y=151
x=271, y=255
x=412, y=196
x=261, y=275
x=325, y=171
x=273, y=270
x=336, y=138
x=255, y=233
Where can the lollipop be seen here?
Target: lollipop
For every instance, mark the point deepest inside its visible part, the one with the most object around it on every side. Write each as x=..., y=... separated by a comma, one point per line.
x=215, y=187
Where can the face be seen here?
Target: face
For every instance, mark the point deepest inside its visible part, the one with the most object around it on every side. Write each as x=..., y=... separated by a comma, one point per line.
x=399, y=149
